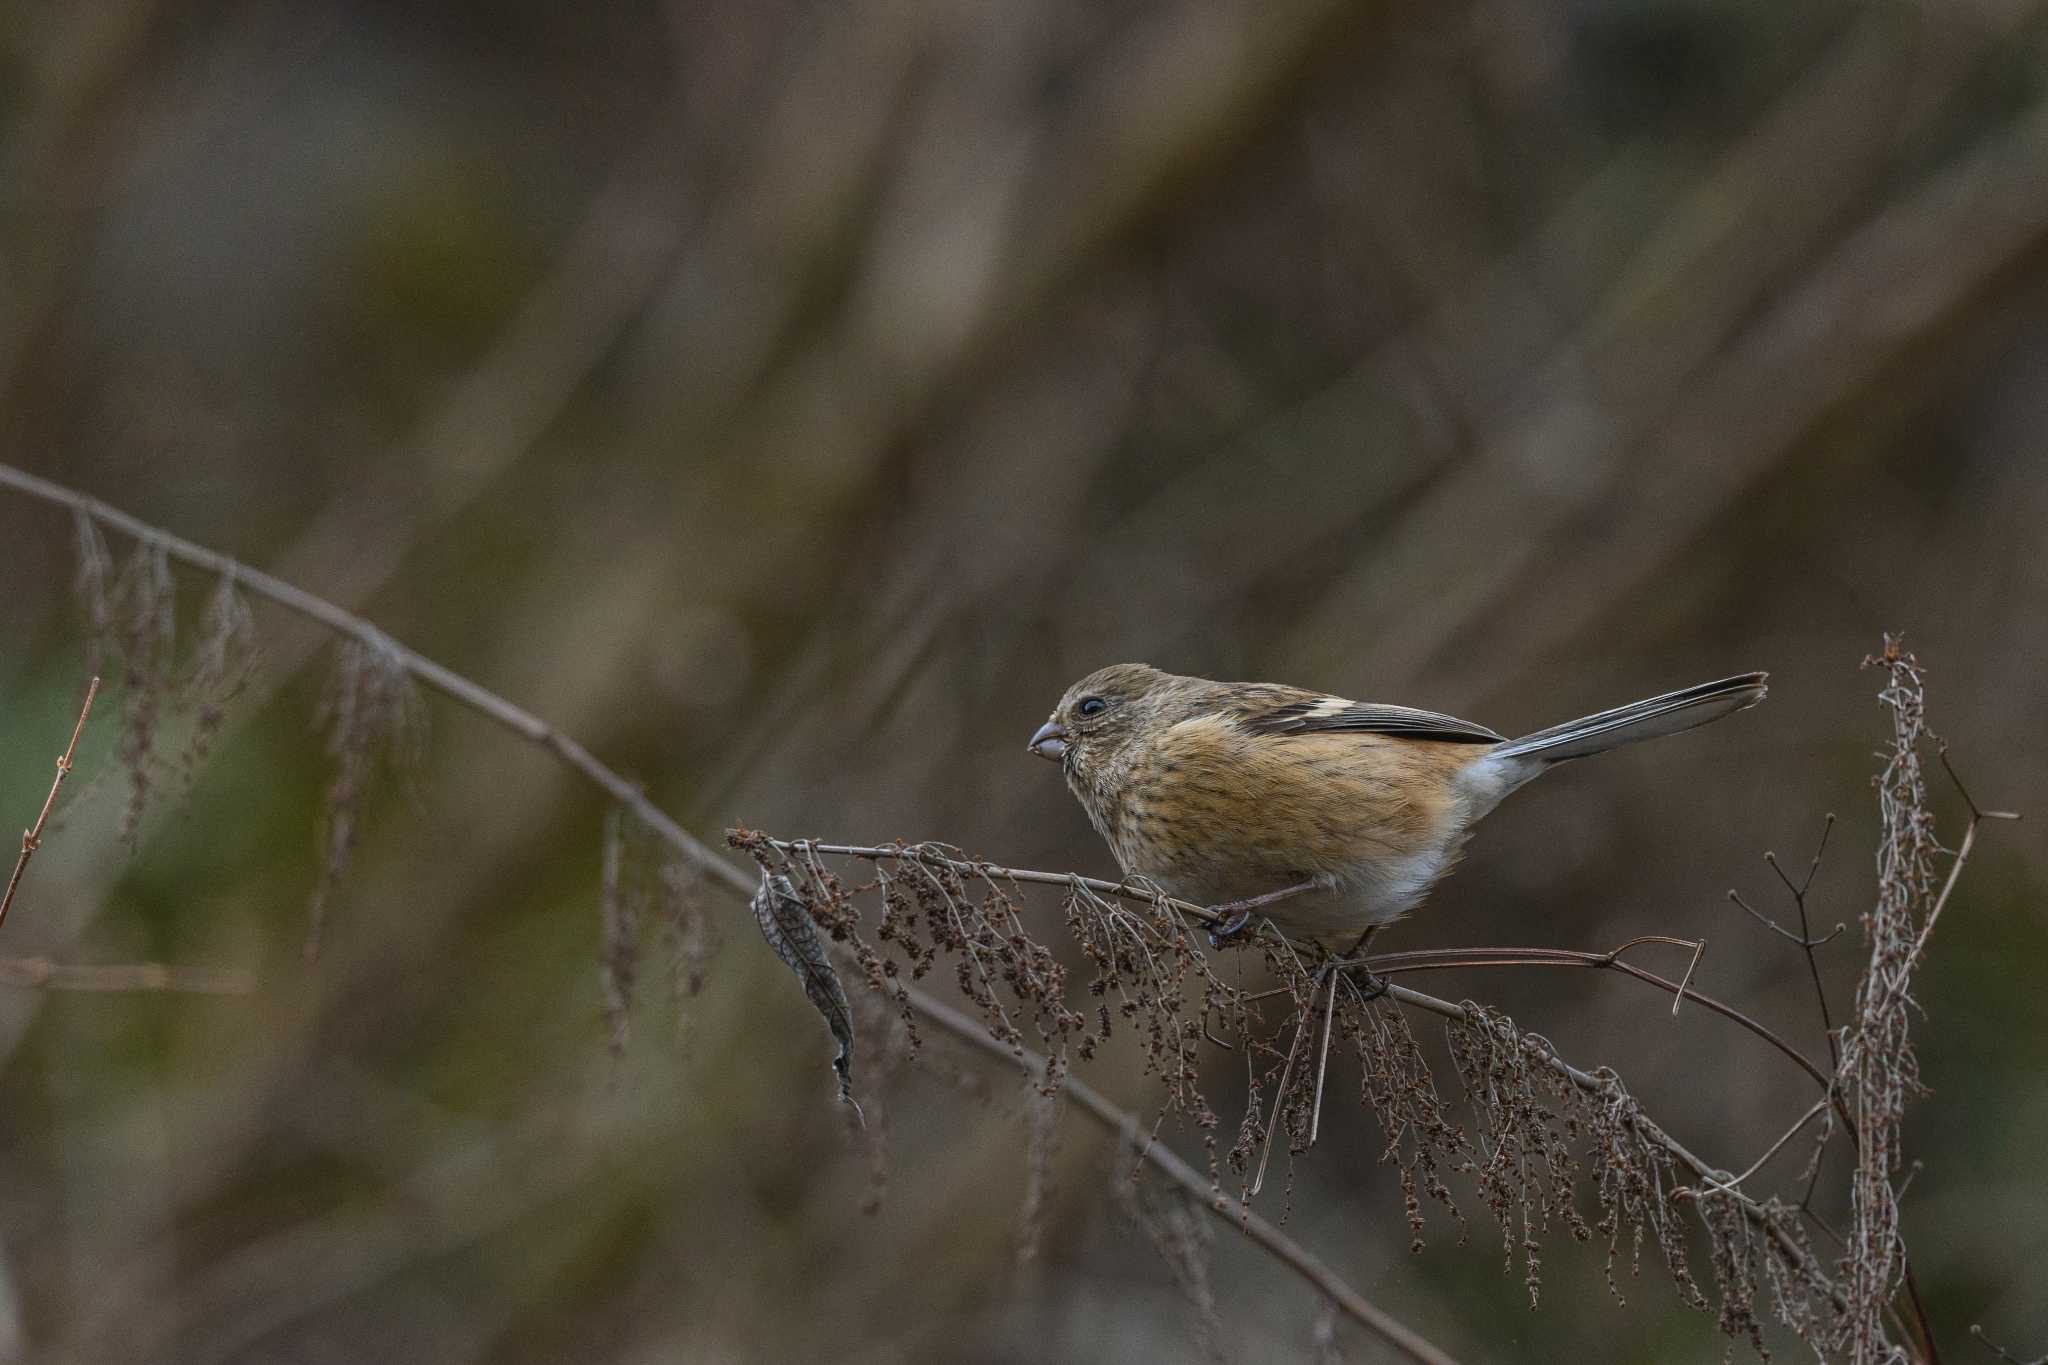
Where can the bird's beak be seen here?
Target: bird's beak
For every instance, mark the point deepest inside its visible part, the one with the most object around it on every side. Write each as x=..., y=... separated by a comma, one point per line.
x=1050, y=741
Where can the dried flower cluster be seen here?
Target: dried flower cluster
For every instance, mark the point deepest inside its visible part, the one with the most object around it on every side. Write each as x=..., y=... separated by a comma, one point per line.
x=131, y=619
x=1536, y=1113
x=1179, y=1232
x=1546, y=1147
x=374, y=720
x=1878, y=1070
x=1042, y=1128
x=647, y=888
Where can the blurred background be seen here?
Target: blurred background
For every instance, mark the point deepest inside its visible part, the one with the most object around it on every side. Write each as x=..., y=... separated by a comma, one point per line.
x=788, y=400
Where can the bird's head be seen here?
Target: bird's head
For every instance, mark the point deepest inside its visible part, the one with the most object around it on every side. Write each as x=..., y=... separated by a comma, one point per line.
x=1100, y=716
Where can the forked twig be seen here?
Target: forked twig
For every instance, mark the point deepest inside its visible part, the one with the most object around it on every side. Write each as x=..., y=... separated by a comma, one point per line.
x=929, y=856
x=1806, y=940
x=1813, y=1112
x=1301, y=1027
x=1977, y=1331
x=1767, y=922
x=1439, y=959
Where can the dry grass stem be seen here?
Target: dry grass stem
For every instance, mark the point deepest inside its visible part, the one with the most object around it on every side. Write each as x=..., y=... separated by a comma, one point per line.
x=32, y=837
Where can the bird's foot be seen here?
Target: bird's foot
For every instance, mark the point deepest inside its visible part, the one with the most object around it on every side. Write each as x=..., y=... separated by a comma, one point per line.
x=1229, y=928
x=1235, y=916
x=1370, y=984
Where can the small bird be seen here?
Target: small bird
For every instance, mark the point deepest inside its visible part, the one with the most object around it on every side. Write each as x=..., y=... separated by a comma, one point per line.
x=1330, y=817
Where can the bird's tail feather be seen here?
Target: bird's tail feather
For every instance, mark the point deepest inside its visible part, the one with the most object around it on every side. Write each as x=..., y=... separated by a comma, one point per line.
x=1665, y=715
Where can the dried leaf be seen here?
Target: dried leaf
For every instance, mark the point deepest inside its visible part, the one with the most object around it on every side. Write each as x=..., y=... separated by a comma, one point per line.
x=786, y=923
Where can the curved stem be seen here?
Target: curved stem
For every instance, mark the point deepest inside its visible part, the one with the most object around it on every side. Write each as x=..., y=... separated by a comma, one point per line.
x=1438, y=959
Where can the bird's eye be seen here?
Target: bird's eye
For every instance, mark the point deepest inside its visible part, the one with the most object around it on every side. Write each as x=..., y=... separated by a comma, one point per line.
x=1091, y=706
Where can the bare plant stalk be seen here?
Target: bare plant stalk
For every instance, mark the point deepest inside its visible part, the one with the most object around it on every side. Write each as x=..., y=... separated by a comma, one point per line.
x=31, y=839
x=1878, y=1071
x=1437, y=959
x=1136, y=890
x=537, y=731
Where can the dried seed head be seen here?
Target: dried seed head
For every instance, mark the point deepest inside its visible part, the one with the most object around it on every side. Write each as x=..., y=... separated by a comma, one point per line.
x=375, y=721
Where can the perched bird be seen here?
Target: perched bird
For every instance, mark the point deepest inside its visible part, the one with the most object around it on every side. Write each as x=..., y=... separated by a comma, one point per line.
x=1327, y=816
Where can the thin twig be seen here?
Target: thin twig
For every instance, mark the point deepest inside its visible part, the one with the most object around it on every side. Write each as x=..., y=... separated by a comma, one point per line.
x=1803, y=940
x=1976, y=811
x=1813, y=1112
x=1808, y=943
x=1438, y=959
x=31, y=839
x=1977, y=1331
x=1699, y=951
x=928, y=856
x=1756, y=1213
x=1315, y=1122
x=1301, y=1027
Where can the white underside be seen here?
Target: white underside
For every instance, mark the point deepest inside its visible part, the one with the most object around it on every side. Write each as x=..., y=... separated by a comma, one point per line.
x=1391, y=888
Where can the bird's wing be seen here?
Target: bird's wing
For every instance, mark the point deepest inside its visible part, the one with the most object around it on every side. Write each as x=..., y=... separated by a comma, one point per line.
x=1274, y=712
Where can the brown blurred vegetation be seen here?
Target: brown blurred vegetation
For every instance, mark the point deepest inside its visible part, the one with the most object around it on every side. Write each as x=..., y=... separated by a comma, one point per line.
x=788, y=400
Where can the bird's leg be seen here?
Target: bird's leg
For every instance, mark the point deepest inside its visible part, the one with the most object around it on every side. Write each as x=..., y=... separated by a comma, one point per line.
x=1375, y=986
x=1235, y=915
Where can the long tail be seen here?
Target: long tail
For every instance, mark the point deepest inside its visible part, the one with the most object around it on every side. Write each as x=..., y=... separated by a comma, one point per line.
x=1665, y=715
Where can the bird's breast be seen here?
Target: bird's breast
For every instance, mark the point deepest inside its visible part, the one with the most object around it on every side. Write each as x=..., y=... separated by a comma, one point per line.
x=1212, y=814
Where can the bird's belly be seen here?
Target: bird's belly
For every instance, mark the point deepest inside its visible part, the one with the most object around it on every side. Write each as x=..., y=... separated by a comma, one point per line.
x=1335, y=914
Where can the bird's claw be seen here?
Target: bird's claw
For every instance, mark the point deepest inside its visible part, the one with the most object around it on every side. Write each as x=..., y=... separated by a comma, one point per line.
x=1229, y=927
x=1373, y=987
x=1368, y=984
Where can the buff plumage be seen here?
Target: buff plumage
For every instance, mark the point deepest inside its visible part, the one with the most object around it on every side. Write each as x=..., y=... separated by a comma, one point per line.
x=1221, y=793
